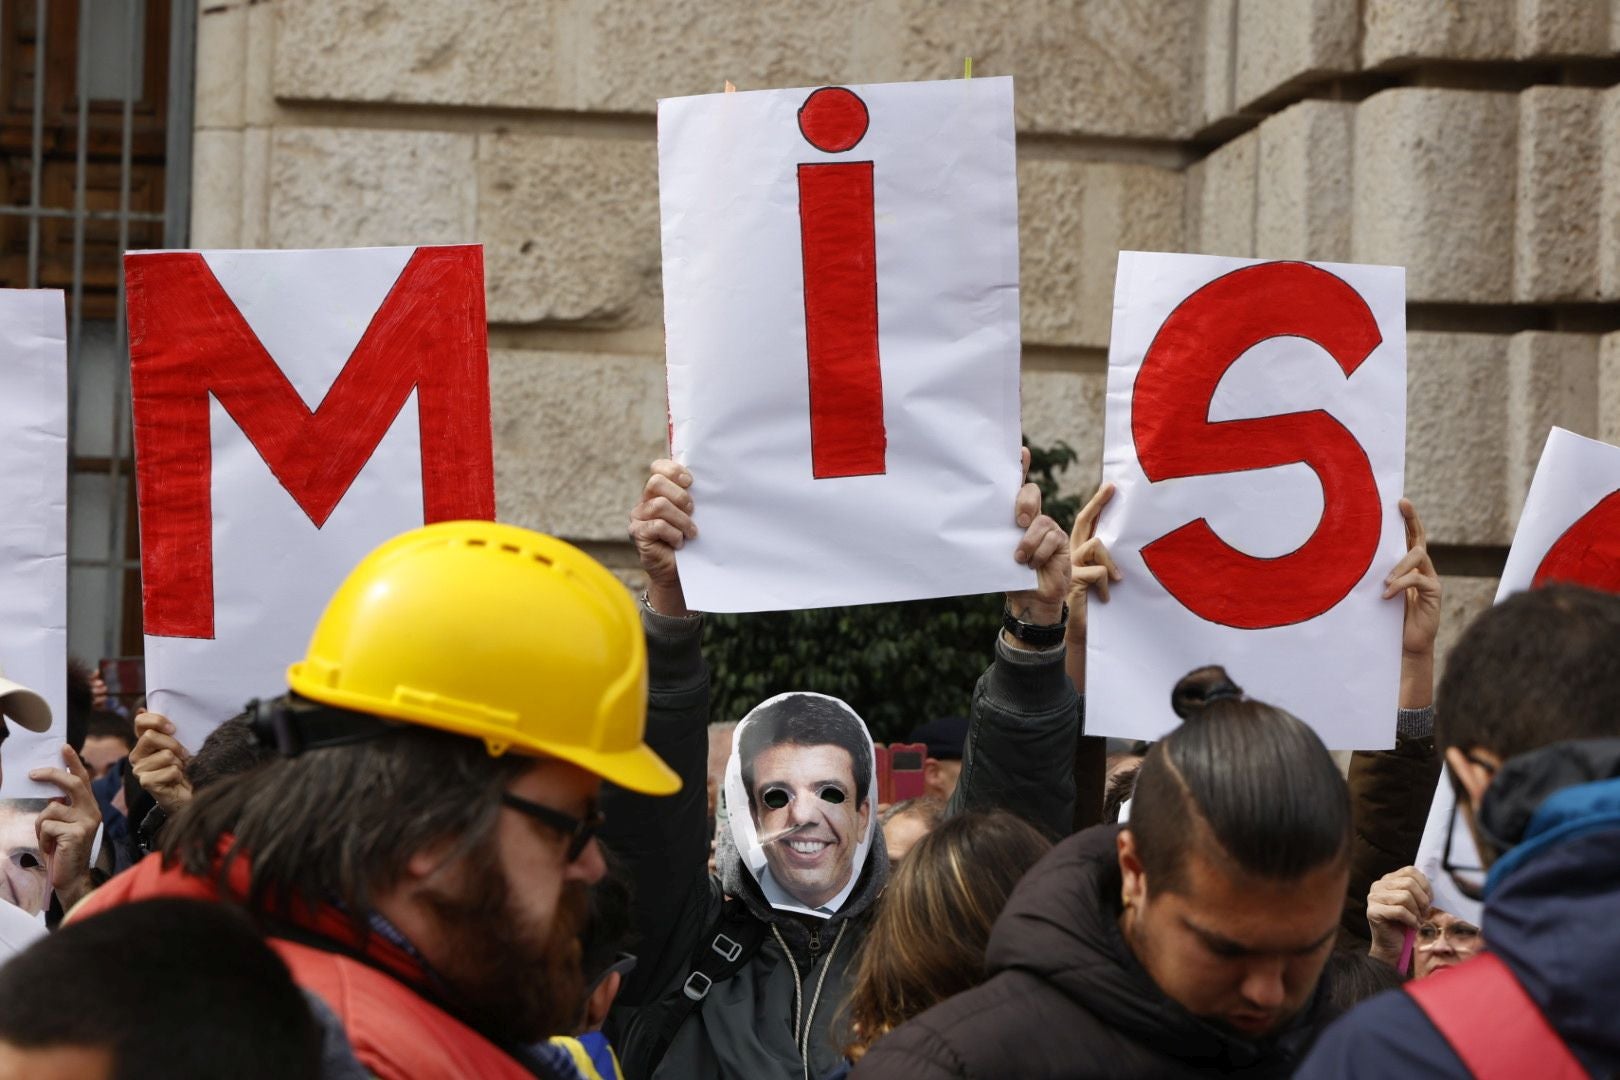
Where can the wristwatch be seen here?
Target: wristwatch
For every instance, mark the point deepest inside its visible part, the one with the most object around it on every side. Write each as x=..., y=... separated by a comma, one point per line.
x=1042, y=637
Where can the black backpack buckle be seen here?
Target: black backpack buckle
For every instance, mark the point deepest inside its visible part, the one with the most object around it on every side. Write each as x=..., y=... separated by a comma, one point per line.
x=728, y=948
x=697, y=986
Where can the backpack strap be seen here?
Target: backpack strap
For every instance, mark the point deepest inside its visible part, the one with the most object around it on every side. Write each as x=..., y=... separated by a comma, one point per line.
x=723, y=950
x=1492, y=1024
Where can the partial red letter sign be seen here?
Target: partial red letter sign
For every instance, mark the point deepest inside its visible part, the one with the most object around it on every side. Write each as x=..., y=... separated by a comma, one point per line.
x=1589, y=551
x=1174, y=438
x=188, y=341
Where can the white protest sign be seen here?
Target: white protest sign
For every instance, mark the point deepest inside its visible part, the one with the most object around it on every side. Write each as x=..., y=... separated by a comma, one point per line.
x=1256, y=427
x=293, y=409
x=1569, y=532
x=33, y=525
x=841, y=327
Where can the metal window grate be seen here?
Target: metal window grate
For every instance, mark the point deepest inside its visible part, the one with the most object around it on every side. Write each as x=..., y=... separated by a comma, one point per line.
x=96, y=111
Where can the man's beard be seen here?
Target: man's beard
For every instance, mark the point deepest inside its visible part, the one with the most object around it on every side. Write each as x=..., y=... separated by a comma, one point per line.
x=509, y=979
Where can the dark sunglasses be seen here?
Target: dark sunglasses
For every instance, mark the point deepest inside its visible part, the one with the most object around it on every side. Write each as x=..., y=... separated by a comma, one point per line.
x=578, y=830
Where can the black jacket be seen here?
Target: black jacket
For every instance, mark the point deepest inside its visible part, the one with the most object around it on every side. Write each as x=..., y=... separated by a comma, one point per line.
x=1018, y=756
x=1066, y=997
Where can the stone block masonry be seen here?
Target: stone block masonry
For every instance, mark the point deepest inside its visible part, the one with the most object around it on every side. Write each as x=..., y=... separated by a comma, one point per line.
x=1476, y=144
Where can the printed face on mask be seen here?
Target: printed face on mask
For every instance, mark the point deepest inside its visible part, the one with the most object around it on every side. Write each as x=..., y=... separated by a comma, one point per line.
x=808, y=818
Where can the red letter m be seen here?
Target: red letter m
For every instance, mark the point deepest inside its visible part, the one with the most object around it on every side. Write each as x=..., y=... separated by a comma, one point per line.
x=187, y=341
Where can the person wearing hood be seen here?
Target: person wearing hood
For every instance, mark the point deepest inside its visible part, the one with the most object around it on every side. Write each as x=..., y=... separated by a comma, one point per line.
x=1189, y=942
x=742, y=976
x=1529, y=717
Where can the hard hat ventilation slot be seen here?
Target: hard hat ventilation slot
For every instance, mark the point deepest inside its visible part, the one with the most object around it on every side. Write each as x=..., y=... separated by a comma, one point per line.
x=512, y=548
x=476, y=542
x=541, y=559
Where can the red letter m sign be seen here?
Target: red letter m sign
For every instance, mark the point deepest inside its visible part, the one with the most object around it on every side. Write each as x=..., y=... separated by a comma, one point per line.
x=188, y=342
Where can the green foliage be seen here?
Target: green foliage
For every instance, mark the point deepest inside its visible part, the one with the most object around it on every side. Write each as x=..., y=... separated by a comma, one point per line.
x=898, y=665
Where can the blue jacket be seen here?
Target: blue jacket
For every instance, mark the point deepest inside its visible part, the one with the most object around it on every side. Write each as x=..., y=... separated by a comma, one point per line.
x=1552, y=909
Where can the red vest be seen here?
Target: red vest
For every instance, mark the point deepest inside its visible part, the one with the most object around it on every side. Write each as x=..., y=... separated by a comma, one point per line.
x=395, y=1032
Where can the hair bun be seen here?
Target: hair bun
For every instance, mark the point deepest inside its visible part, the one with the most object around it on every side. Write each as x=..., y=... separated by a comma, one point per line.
x=1197, y=689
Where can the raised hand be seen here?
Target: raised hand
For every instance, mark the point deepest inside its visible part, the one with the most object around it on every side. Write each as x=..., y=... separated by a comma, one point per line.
x=1092, y=569
x=1415, y=577
x=660, y=524
x=159, y=762
x=1396, y=903
x=67, y=829
x=1044, y=548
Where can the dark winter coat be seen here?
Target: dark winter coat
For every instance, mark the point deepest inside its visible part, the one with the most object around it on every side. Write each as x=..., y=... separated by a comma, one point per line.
x=1067, y=999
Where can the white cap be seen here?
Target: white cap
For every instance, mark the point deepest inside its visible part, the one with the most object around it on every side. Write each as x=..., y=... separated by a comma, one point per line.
x=22, y=706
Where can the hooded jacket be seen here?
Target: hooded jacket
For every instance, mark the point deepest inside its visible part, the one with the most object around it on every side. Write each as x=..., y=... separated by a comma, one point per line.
x=1552, y=903
x=1067, y=998
x=1019, y=756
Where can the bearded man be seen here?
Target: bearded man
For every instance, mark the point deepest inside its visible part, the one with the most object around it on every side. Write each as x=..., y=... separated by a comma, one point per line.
x=420, y=852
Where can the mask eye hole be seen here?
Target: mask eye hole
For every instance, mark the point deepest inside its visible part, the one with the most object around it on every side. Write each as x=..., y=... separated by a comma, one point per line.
x=29, y=861
x=832, y=795
x=776, y=798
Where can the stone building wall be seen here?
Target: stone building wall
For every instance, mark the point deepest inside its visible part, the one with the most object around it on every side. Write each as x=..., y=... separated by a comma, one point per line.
x=1475, y=142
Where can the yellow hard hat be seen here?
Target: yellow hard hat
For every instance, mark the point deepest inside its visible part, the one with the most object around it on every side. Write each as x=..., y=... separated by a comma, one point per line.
x=497, y=633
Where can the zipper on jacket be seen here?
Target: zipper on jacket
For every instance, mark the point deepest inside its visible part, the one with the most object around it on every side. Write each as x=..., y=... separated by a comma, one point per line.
x=815, y=944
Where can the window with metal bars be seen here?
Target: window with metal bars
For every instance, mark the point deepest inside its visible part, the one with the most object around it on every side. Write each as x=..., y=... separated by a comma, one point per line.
x=95, y=160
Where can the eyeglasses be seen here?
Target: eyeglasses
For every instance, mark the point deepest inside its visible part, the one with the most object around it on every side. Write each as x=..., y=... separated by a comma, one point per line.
x=1470, y=880
x=1463, y=935
x=578, y=830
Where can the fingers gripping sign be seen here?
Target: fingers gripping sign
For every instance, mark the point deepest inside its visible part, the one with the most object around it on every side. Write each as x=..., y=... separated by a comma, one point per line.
x=1091, y=570
x=1396, y=903
x=67, y=829
x=159, y=762
x=660, y=525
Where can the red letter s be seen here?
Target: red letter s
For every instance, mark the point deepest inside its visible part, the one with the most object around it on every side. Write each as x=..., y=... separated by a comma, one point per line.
x=1175, y=438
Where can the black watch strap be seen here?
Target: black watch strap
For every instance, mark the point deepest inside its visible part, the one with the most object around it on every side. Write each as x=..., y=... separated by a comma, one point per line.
x=1043, y=637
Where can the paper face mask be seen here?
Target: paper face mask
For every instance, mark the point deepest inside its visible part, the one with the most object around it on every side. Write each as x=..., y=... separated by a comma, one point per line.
x=800, y=791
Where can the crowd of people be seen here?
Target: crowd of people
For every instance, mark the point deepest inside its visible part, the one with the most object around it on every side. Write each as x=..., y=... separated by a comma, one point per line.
x=487, y=829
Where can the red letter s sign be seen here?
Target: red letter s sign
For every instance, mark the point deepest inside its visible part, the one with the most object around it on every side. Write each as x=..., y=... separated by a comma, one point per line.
x=1175, y=438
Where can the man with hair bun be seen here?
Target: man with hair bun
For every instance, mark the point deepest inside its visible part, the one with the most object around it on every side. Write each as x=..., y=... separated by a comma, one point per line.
x=1189, y=942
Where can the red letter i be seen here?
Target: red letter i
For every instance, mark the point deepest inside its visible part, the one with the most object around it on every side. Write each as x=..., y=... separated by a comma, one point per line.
x=840, y=291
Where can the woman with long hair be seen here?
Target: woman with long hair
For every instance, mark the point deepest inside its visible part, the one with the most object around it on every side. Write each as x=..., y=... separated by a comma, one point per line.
x=933, y=922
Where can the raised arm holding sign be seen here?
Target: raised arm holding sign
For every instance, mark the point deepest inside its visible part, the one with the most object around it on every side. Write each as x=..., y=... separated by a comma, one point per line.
x=800, y=845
